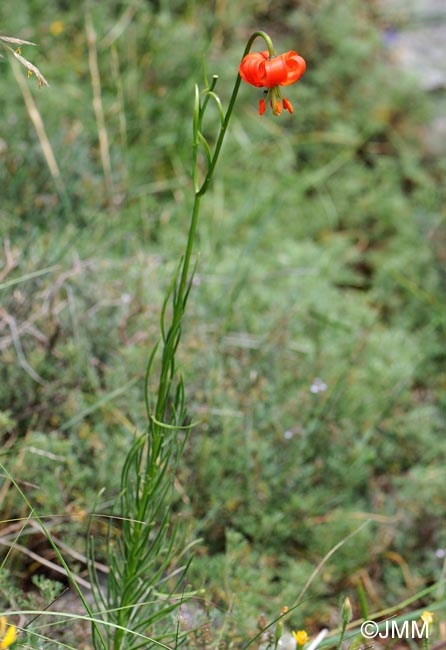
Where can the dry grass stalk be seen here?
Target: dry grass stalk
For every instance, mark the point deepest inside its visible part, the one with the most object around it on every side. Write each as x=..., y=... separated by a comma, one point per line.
x=98, y=106
x=37, y=121
x=17, y=54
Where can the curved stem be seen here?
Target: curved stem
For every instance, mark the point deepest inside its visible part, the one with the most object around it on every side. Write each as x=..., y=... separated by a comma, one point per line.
x=221, y=135
x=180, y=298
x=211, y=168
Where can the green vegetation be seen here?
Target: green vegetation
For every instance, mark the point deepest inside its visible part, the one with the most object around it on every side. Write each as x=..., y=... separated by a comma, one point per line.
x=313, y=346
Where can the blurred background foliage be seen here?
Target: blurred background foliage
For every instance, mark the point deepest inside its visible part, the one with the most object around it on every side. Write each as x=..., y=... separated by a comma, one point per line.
x=313, y=348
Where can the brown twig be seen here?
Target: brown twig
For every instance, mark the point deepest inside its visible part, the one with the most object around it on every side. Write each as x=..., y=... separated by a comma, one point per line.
x=10, y=263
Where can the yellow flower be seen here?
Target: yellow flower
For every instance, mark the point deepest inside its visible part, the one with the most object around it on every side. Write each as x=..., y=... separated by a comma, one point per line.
x=56, y=28
x=427, y=617
x=301, y=637
x=11, y=633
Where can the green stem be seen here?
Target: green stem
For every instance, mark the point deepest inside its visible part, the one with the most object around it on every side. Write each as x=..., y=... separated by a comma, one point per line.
x=210, y=172
x=179, y=305
x=341, y=636
x=189, y=247
x=224, y=126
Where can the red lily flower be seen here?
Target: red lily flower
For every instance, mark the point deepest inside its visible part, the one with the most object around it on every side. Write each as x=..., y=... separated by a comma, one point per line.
x=261, y=70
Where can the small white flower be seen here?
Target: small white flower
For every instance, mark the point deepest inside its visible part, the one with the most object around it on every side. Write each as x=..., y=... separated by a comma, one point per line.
x=287, y=642
x=318, y=386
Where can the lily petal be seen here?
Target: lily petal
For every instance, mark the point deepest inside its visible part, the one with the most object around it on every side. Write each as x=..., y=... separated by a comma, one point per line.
x=274, y=72
x=296, y=66
x=249, y=68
